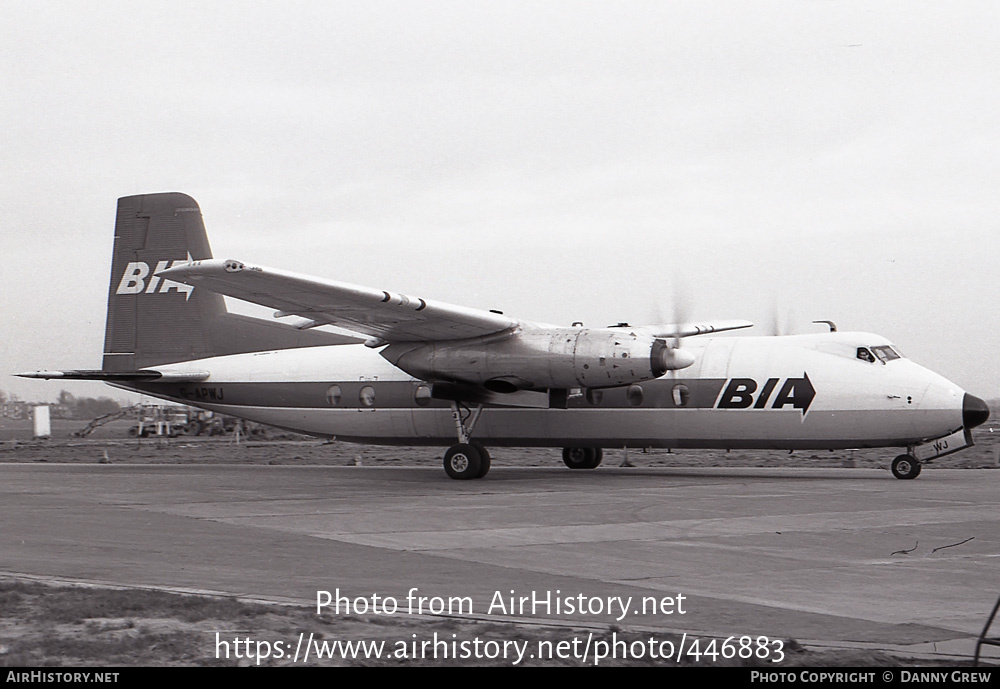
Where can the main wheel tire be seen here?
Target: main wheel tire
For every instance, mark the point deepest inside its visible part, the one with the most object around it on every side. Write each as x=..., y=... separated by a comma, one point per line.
x=463, y=461
x=484, y=459
x=582, y=457
x=905, y=467
x=597, y=458
x=575, y=457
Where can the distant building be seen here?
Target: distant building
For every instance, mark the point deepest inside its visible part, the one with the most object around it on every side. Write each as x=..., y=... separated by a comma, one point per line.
x=19, y=409
x=15, y=410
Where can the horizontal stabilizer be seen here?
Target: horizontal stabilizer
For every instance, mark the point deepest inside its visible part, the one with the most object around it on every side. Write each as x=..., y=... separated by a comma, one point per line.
x=120, y=376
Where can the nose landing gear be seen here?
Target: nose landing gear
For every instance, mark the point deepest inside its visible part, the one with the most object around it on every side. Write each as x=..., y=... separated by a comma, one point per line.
x=905, y=467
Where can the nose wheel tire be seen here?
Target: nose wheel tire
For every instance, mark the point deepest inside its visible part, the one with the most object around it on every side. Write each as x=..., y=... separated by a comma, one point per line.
x=465, y=461
x=582, y=457
x=905, y=467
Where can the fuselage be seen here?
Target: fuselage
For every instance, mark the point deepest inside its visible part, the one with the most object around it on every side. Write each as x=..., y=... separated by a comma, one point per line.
x=419, y=371
x=794, y=392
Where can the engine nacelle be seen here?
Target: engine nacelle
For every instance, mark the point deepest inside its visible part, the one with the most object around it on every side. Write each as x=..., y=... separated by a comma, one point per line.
x=542, y=358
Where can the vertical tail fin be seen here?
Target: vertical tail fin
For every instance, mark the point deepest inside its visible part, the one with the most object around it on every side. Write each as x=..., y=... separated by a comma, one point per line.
x=152, y=320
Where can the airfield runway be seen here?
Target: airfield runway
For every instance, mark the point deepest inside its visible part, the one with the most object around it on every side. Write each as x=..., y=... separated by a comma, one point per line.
x=837, y=556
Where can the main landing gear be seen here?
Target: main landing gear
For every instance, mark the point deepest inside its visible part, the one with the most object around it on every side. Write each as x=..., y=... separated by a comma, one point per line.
x=469, y=459
x=582, y=457
x=906, y=467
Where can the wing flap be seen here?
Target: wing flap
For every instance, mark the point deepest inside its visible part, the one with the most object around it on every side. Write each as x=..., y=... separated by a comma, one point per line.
x=386, y=315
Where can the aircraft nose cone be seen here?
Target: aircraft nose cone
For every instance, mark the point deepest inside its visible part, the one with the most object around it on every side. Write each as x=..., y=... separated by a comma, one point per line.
x=974, y=411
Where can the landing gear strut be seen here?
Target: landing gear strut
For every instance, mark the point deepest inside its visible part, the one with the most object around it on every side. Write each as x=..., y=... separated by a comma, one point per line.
x=905, y=467
x=582, y=457
x=468, y=459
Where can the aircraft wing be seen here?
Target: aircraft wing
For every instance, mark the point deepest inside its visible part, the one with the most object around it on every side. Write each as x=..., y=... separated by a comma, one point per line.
x=387, y=316
x=691, y=329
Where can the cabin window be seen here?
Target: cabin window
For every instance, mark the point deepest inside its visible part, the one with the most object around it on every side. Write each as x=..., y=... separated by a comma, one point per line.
x=422, y=395
x=367, y=396
x=681, y=395
x=594, y=397
x=333, y=394
x=634, y=395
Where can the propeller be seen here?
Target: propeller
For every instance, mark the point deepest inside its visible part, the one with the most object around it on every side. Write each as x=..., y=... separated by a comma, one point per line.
x=673, y=357
x=672, y=332
x=681, y=306
x=669, y=335
x=781, y=321
x=777, y=328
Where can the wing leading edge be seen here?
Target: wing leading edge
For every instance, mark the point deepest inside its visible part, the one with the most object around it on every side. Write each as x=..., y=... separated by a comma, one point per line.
x=380, y=314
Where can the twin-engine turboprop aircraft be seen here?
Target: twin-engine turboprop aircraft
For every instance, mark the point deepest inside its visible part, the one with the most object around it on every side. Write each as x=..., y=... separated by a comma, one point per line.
x=430, y=373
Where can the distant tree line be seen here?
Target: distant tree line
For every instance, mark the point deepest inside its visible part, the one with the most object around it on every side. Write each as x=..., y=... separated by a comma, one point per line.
x=86, y=407
x=68, y=406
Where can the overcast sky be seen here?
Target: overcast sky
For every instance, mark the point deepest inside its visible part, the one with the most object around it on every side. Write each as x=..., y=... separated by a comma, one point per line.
x=561, y=161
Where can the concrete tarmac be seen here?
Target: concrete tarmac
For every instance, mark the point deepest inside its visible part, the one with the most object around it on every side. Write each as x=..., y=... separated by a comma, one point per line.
x=834, y=557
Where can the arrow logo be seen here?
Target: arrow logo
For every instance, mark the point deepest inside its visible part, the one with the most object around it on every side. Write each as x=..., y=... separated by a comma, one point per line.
x=796, y=392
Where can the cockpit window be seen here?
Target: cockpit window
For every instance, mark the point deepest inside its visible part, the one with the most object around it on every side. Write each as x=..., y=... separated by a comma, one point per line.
x=865, y=355
x=886, y=353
